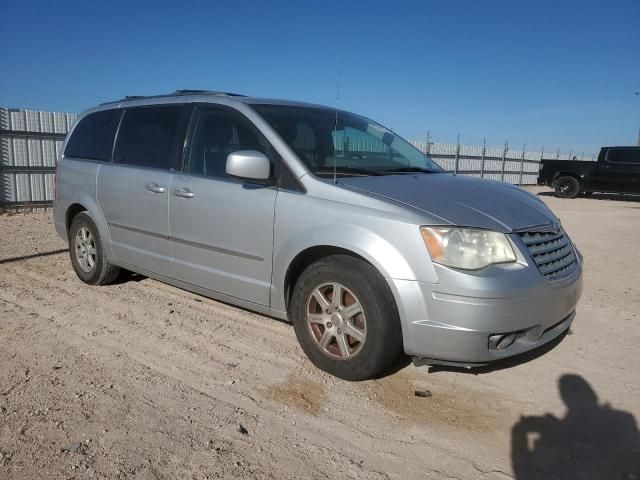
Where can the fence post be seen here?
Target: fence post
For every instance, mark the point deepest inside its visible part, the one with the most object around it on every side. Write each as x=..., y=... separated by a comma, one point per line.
x=455, y=168
x=484, y=151
x=521, y=164
x=558, y=154
x=427, y=149
x=504, y=160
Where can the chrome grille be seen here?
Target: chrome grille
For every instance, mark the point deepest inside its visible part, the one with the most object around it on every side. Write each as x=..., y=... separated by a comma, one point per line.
x=552, y=252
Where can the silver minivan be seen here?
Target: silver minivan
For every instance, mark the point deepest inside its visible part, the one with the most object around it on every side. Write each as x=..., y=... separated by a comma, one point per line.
x=320, y=217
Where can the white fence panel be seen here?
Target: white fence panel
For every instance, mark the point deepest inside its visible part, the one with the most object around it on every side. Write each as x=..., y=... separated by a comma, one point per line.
x=30, y=141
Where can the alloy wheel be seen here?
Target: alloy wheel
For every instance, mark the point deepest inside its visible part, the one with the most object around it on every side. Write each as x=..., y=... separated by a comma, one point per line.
x=85, y=248
x=336, y=320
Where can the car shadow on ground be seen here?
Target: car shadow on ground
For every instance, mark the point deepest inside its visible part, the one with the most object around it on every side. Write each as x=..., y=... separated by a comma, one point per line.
x=33, y=255
x=592, y=441
x=617, y=197
x=125, y=276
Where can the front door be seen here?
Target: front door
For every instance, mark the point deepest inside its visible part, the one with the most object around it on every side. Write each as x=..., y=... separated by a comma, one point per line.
x=221, y=228
x=133, y=191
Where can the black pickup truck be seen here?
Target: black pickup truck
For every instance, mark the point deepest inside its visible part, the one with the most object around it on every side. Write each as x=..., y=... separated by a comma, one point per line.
x=616, y=171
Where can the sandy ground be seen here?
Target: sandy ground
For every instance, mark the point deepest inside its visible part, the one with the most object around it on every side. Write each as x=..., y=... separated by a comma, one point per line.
x=142, y=380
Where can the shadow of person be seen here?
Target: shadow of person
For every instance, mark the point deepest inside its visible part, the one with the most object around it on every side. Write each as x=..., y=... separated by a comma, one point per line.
x=592, y=441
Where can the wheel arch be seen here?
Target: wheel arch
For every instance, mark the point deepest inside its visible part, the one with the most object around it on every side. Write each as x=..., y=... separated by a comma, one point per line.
x=314, y=253
x=283, y=289
x=309, y=256
x=71, y=212
x=568, y=173
x=86, y=203
x=406, y=258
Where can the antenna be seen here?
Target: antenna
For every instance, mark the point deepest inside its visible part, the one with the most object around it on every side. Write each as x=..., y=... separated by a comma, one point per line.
x=335, y=126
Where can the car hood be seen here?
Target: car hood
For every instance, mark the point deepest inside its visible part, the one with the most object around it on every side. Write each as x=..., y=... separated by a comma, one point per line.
x=461, y=201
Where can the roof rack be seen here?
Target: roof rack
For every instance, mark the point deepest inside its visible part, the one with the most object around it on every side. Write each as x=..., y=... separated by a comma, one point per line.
x=206, y=92
x=177, y=93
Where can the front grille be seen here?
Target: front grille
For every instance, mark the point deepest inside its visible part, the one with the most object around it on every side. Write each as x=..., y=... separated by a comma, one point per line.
x=552, y=252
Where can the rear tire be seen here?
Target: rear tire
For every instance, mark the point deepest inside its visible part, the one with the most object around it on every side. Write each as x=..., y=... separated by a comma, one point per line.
x=567, y=187
x=87, y=253
x=355, y=335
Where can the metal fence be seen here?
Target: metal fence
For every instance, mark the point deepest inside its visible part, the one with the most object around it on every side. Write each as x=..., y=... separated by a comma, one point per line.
x=517, y=166
x=31, y=140
x=29, y=145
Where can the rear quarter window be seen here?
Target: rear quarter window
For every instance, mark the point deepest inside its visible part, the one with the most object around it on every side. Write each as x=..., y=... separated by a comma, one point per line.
x=93, y=137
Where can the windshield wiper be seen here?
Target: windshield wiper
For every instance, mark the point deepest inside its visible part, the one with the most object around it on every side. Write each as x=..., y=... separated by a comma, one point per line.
x=410, y=170
x=350, y=170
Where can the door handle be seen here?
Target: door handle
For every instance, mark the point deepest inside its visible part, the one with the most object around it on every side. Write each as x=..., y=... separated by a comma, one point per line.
x=154, y=188
x=183, y=193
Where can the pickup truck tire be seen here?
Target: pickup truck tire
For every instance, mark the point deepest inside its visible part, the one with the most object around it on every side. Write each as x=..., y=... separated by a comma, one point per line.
x=567, y=187
x=354, y=334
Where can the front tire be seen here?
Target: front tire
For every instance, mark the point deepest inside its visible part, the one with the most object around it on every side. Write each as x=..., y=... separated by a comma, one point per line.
x=345, y=318
x=567, y=187
x=87, y=253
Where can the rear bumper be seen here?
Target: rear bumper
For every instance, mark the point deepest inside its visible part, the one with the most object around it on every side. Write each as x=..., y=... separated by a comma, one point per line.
x=455, y=327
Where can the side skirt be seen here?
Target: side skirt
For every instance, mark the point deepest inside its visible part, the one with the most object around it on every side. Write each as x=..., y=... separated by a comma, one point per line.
x=205, y=292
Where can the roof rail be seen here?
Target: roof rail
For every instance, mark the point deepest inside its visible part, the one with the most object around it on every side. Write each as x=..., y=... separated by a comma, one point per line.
x=177, y=93
x=206, y=92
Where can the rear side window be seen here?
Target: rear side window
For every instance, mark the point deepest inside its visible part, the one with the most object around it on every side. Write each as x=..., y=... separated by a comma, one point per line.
x=148, y=137
x=93, y=136
x=621, y=155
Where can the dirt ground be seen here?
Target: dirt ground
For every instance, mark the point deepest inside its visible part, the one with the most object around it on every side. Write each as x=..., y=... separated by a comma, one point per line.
x=145, y=381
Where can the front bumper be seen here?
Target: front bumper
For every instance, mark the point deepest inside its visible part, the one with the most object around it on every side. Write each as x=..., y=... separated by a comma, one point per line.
x=452, y=321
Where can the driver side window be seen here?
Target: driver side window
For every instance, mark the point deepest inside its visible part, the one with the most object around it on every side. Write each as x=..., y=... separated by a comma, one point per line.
x=218, y=133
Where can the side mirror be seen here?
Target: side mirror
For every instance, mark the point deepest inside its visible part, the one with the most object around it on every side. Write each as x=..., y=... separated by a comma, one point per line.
x=249, y=165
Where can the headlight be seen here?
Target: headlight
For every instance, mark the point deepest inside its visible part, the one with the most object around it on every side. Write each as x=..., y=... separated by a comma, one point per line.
x=467, y=248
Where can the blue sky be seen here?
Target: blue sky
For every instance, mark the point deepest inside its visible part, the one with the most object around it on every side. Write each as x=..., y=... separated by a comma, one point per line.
x=553, y=73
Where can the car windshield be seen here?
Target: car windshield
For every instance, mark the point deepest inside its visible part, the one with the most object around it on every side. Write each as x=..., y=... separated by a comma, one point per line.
x=353, y=146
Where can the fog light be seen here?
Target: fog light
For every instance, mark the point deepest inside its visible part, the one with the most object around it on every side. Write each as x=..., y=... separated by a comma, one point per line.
x=501, y=340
